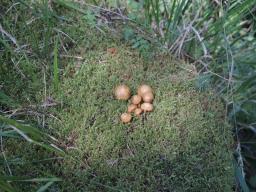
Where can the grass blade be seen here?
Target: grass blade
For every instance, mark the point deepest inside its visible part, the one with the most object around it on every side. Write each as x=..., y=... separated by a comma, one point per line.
x=55, y=66
x=11, y=134
x=45, y=187
x=26, y=129
x=240, y=177
x=31, y=134
x=5, y=186
x=6, y=100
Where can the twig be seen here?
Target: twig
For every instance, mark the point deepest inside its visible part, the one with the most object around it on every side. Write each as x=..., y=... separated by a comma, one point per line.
x=9, y=36
x=179, y=42
x=72, y=56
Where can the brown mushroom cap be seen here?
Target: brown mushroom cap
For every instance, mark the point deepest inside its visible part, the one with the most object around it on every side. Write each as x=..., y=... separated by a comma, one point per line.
x=131, y=108
x=148, y=97
x=138, y=111
x=136, y=99
x=122, y=92
x=144, y=89
x=147, y=107
x=126, y=117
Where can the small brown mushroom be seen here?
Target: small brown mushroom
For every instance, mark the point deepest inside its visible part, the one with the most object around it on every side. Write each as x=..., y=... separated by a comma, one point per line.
x=138, y=112
x=131, y=108
x=147, y=107
x=122, y=92
x=144, y=89
x=126, y=117
x=148, y=97
x=136, y=99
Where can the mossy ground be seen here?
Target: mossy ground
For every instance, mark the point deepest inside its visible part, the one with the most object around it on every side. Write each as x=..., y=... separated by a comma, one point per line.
x=183, y=145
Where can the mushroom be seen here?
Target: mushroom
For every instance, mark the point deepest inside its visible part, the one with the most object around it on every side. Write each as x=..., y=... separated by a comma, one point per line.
x=122, y=92
x=148, y=97
x=144, y=89
x=131, y=108
x=138, y=111
x=126, y=117
x=136, y=99
x=147, y=107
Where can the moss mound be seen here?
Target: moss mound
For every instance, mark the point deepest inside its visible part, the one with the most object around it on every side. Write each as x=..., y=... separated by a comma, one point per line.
x=182, y=146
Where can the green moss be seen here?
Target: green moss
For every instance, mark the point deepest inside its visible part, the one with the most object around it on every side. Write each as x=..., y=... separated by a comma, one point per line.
x=184, y=145
x=181, y=146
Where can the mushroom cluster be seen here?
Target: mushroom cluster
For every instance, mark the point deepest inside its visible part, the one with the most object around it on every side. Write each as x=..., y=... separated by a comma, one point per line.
x=139, y=103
